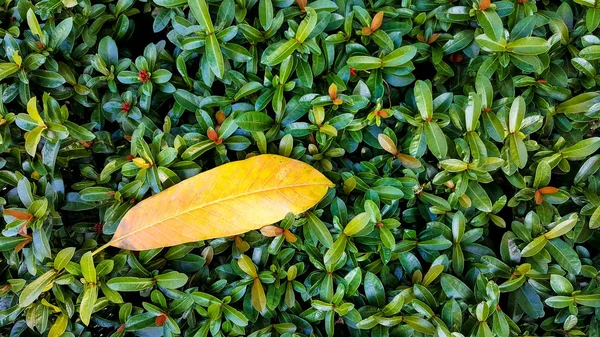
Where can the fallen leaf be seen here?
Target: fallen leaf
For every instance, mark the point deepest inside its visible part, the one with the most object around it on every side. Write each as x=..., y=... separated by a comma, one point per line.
x=226, y=201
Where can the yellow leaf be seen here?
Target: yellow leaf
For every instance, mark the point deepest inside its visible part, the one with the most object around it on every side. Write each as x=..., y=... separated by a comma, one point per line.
x=50, y=305
x=228, y=200
x=59, y=326
x=18, y=59
x=246, y=265
x=33, y=23
x=69, y=3
x=141, y=163
x=259, y=300
x=33, y=112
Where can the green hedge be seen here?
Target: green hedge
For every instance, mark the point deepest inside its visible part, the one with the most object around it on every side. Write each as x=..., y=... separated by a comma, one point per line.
x=461, y=136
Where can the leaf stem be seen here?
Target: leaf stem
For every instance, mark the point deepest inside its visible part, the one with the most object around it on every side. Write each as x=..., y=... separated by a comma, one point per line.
x=101, y=248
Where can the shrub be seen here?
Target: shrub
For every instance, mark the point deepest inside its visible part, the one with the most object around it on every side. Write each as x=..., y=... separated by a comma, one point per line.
x=460, y=136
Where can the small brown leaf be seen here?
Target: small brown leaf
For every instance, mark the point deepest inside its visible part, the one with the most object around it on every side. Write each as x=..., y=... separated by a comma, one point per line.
x=220, y=117
x=160, y=319
x=366, y=31
x=19, y=215
x=433, y=38
x=289, y=236
x=408, y=161
x=484, y=4
x=23, y=244
x=302, y=4
x=538, y=197
x=548, y=190
x=271, y=231
x=387, y=143
x=377, y=20
x=333, y=91
x=456, y=58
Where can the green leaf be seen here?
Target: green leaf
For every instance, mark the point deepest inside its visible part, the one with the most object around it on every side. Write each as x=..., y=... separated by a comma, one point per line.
x=130, y=283
x=560, y=285
x=582, y=149
x=88, y=300
x=454, y=165
x=523, y=27
x=334, y=254
x=364, y=62
x=318, y=228
x=595, y=219
x=34, y=289
x=234, y=316
x=61, y=32
x=424, y=100
x=491, y=23
x=254, y=121
x=491, y=45
x=518, y=150
x=530, y=301
x=80, y=133
x=171, y=280
x=47, y=79
x=96, y=194
x=591, y=300
x=472, y=111
x=592, y=19
x=63, y=257
x=199, y=9
x=578, y=104
x=399, y=56
x=559, y=302
x=436, y=141
x=394, y=306
x=281, y=53
x=247, y=89
x=374, y=290
x=7, y=69
x=479, y=197
x=87, y=268
x=265, y=13
x=455, y=288
x=528, y=46
x=590, y=53
x=516, y=115
x=33, y=23
x=564, y=255
x=542, y=175
x=307, y=25
x=357, y=224
x=562, y=227
x=534, y=246
x=420, y=324
x=214, y=55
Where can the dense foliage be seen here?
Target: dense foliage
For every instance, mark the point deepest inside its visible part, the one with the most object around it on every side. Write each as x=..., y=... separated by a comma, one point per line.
x=459, y=134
